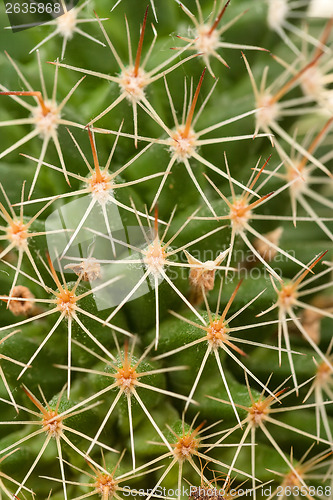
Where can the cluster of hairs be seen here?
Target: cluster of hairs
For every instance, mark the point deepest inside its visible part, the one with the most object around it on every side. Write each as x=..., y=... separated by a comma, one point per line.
x=166, y=251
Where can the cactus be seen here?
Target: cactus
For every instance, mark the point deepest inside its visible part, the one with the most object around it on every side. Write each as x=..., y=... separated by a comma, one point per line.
x=166, y=251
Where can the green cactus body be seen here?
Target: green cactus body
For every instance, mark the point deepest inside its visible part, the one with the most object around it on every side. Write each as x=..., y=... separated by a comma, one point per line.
x=166, y=250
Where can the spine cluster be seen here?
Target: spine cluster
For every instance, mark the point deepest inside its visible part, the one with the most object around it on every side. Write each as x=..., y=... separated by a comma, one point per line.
x=166, y=252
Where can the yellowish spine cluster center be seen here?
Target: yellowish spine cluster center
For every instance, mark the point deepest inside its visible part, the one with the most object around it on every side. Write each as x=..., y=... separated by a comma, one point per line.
x=66, y=24
x=206, y=40
x=155, y=258
x=133, y=83
x=126, y=378
x=217, y=334
x=101, y=187
x=240, y=214
x=268, y=112
x=258, y=413
x=17, y=233
x=277, y=13
x=106, y=486
x=66, y=302
x=186, y=447
x=52, y=424
x=287, y=296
